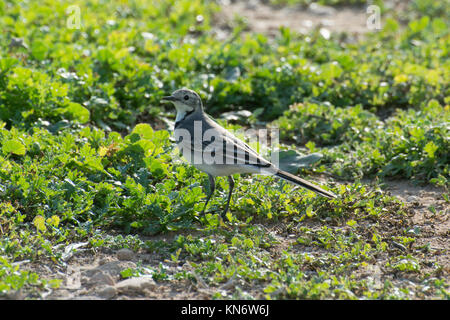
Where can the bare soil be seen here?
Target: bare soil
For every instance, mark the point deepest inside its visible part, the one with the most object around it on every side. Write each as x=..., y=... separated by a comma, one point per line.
x=430, y=214
x=267, y=19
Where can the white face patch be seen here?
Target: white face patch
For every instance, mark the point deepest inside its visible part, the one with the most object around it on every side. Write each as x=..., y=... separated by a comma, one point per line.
x=182, y=109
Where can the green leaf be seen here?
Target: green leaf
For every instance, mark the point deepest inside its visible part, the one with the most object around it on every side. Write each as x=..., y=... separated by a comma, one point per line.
x=144, y=130
x=438, y=26
x=77, y=112
x=39, y=223
x=145, y=145
x=157, y=168
x=419, y=25
x=14, y=146
x=7, y=63
x=39, y=49
x=390, y=25
x=331, y=70
x=94, y=163
x=430, y=148
x=309, y=212
x=53, y=220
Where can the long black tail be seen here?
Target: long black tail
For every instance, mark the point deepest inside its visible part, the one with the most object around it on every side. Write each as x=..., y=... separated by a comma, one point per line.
x=305, y=184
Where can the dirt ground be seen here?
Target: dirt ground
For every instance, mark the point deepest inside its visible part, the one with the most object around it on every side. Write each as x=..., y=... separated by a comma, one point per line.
x=266, y=19
x=431, y=214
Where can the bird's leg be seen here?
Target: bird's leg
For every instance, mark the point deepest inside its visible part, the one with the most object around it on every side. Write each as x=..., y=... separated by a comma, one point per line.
x=231, y=184
x=212, y=187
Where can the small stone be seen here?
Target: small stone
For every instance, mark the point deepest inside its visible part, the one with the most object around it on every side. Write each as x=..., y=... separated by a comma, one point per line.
x=125, y=254
x=17, y=42
x=412, y=199
x=136, y=286
x=399, y=246
x=100, y=278
x=112, y=268
x=321, y=10
x=107, y=292
x=105, y=260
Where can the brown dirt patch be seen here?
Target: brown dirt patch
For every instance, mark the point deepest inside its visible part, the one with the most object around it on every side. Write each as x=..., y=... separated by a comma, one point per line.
x=430, y=217
x=266, y=19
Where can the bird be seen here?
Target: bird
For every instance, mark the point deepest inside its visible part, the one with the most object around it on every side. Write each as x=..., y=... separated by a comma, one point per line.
x=214, y=150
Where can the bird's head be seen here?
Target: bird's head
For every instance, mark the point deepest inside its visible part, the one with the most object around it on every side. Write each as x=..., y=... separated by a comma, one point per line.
x=185, y=100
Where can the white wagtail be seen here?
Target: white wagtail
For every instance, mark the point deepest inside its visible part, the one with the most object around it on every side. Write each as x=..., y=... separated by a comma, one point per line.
x=216, y=151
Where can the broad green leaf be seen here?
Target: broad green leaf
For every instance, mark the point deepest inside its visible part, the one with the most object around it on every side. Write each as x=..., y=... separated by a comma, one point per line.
x=145, y=145
x=291, y=160
x=430, y=148
x=419, y=25
x=39, y=49
x=400, y=78
x=94, y=163
x=331, y=70
x=438, y=26
x=77, y=112
x=144, y=130
x=390, y=25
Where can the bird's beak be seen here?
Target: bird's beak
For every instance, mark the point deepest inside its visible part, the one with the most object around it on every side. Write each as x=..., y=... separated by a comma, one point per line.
x=168, y=99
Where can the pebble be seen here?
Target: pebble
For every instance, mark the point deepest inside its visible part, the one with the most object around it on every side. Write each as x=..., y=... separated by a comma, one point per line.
x=100, y=278
x=104, y=260
x=135, y=286
x=321, y=10
x=112, y=268
x=125, y=254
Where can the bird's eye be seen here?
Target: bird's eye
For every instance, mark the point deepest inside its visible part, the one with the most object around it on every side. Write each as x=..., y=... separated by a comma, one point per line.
x=186, y=97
